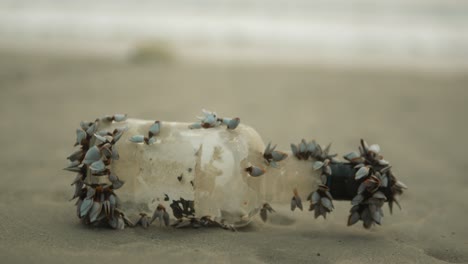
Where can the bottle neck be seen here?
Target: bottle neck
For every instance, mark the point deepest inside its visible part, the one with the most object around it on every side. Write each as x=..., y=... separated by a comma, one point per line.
x=293, y=173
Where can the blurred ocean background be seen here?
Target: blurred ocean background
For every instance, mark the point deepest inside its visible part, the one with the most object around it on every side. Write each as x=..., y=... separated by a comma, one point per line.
x=423, y=34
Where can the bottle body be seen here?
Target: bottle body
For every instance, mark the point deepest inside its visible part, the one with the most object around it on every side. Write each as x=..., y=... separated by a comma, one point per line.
x=206, y=166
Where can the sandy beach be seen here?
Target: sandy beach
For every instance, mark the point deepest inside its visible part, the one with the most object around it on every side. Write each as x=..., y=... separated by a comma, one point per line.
x=419, y=120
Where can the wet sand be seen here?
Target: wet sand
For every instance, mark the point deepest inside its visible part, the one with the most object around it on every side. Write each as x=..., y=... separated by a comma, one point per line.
x=419, y=120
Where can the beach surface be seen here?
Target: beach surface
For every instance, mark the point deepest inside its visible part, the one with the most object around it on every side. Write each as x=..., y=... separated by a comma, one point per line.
x=418, y=118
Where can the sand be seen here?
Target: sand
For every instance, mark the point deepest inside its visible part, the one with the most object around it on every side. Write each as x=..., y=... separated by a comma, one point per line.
x=419, y=120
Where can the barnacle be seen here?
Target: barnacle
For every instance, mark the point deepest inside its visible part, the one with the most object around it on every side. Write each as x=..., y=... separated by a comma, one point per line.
x=296, y=201
x=255, y=171
x=161, y=214
x=266, y=208
x=321, y=201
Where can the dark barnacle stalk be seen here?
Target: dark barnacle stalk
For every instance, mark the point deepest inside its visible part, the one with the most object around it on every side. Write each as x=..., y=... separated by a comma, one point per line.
x=97, y=204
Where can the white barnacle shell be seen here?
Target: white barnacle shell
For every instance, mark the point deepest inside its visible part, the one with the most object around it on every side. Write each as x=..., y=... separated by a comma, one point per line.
x=100, y=138
x=366, y=218
x=106, y=118
x=95, y=211
x=120, y=117
x=357, y=199
x=360, y=165
x=84, y=125
x=118, y=134
x=85, y=206
x=255, y=171
x=383, y=162
x=312, y=146
x=155, y=129
x=365, y=146
x=93, y=154
x=386, y=169
x=303, y=146
x=151, y=141
x=318, y=165
x=195, y=125
x=293, y=204
x=353, y=218
x=80, y=136
x=383, y=179
x=374, y=148
x=231, y=123
x=401, y=185
x=327, y=149
x=92, y=129
x=362, y=172
x=90, y=193
x=294, y=149
x=234, y=123
x=377, y=216
x=97, y=167
x=278, y=155
x=106, y=206
x=379, y=195
x=120, y=223
x=106, y=151
x=210, y=118
x=327, y=203
x=298, y=200
x=75, y=155
x=315, y=197
x=351, y=155
x=324, y=178
x=362, y=187
x=158, y=214
x=137, y=139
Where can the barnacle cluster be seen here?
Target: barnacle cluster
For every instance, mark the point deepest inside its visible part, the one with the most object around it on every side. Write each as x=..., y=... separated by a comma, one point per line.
x=153, y=131
x=374, y=183
x=210, y=120
x=377, y=184
x=184, y=211
x=272, y=156
x=264, y=211
x=321, y=199
x=97, y=203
